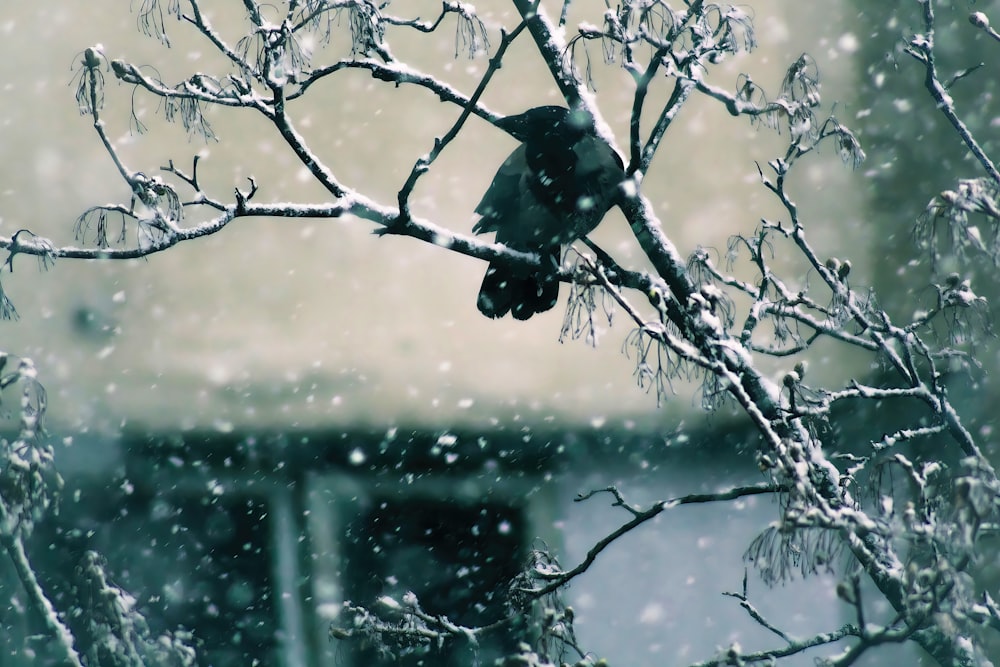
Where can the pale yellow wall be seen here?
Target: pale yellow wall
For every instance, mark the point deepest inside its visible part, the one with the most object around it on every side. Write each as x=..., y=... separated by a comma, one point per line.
x=311, y=323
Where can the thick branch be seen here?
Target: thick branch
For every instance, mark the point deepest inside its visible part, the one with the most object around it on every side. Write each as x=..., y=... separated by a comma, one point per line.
x=551, y=47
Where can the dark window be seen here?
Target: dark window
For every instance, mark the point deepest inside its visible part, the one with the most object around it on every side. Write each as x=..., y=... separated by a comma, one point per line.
x=457, y=558
x=220, y=583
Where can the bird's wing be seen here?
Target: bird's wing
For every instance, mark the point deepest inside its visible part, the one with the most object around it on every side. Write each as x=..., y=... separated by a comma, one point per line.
x=552, y=196
x=599, y=170
x=576, y=189
x=502, y=200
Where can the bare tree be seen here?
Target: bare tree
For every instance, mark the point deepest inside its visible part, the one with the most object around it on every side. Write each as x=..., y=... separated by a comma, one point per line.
x=914, y=546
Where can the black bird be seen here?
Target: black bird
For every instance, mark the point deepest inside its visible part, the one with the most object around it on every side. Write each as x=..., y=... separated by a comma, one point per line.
x=553, y=189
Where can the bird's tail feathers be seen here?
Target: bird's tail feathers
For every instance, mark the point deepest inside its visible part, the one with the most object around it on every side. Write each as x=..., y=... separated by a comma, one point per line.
x=522, y=295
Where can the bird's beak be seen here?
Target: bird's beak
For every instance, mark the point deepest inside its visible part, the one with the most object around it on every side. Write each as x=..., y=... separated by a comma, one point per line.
x=514, y=126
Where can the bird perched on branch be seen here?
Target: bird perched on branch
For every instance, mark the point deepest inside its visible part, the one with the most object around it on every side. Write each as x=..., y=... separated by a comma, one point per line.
x=552, y=190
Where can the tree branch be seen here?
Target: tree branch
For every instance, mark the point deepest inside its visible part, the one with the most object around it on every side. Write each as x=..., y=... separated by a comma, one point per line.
x=57, y=631
x=921, y=47
x=559, y=579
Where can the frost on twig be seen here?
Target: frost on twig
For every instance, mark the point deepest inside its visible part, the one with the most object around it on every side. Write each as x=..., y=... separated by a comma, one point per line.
x=394, y=628
x=28, y=485
x=26, y=472
x=115, y=632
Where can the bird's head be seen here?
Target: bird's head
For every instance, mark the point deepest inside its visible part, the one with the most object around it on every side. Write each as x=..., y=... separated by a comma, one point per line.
x=540, y=122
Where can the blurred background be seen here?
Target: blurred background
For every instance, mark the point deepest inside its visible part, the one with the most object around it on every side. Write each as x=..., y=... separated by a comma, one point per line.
x=261, y=424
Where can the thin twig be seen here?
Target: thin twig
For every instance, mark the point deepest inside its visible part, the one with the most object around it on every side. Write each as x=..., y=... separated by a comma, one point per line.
x=557, y=580
x=921, y=48
x=423, y=163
